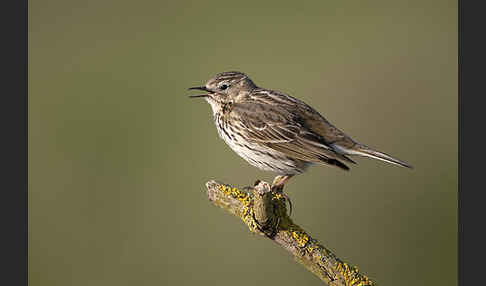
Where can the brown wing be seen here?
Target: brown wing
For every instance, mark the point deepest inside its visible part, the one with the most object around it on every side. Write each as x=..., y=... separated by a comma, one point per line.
x=284, y=131
x=329, y=134
x=309, y=118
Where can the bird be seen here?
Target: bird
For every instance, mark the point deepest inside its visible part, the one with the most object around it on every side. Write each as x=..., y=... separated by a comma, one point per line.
x=276, y=132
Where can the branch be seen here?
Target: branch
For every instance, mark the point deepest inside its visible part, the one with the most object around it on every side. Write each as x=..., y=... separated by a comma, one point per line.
x=265, y=213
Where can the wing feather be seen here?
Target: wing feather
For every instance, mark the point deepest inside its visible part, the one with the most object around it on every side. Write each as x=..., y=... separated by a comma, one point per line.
x=283, y=131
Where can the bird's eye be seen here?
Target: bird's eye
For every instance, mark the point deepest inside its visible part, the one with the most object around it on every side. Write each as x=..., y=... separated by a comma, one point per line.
x=223, y=87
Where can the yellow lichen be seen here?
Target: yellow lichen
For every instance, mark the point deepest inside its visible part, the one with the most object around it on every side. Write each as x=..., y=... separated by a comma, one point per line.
x=351, y=275
x=277, y=196
x=247, y=211
x=243, y=197
x=301, y=237
x=311, y=254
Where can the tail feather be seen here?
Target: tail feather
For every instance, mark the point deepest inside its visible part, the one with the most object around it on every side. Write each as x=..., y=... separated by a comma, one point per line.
x=334, y=162
x=365, y=151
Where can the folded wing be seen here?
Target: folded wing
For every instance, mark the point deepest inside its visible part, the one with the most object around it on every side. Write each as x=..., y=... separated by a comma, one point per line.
x=287, y=132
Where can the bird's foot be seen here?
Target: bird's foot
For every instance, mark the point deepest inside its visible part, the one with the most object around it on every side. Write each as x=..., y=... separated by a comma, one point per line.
x=278, y=185
x=279, y=189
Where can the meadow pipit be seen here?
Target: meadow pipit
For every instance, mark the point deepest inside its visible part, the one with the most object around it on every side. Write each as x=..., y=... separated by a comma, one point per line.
x=277, y=132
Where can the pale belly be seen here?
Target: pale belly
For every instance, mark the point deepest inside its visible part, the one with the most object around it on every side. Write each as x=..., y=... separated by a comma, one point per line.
x=261, y=156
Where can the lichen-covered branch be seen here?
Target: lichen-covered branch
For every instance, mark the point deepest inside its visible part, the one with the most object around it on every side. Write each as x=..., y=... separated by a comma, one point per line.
x=265, y=213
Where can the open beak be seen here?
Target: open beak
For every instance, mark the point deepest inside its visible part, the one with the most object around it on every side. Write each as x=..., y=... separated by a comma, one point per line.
x=199, y=88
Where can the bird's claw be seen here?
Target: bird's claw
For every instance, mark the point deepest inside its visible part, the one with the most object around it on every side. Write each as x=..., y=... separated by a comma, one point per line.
x=279, y=189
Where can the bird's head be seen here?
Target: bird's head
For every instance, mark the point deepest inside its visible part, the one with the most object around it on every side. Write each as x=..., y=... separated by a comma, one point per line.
x=224, y=88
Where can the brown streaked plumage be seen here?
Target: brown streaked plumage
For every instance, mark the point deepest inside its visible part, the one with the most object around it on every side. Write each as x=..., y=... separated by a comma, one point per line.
x=276, y=132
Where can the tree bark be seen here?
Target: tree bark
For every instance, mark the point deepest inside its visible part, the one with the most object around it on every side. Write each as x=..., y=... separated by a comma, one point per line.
x=265, y=213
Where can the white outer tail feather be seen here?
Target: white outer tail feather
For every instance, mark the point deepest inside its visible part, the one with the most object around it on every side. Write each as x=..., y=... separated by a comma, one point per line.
x=368, y=152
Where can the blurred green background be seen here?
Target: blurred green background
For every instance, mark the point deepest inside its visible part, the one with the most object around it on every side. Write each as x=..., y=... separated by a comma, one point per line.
x=118, y=155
